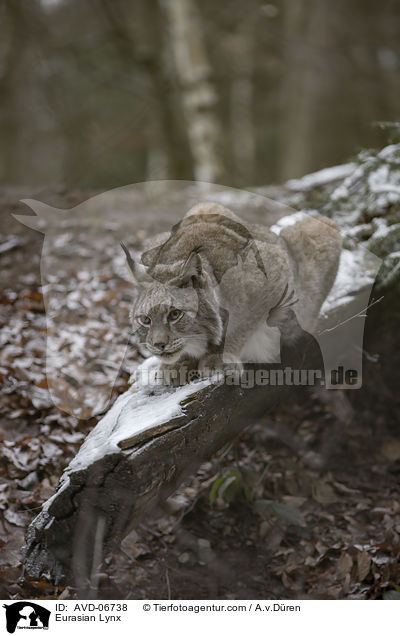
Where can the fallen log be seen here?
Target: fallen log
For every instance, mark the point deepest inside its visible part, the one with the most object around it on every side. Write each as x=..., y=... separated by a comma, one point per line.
x=114, y=480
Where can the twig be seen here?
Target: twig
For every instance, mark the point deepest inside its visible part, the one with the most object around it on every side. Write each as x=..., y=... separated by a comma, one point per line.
x=97, y=553
x=361, y=314
x=168, y=583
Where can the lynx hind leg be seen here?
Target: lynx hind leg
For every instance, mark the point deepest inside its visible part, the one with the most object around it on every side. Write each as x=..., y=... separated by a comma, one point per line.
x=315, y=245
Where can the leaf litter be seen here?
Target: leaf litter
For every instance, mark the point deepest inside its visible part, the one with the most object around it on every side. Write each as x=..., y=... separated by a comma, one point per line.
x=295, y=507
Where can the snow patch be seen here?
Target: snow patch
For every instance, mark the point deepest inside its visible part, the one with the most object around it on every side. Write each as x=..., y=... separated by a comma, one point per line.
x=382, y=228
x=135, y=415
x=291, y=219
x=322, y=177
x=357, y=271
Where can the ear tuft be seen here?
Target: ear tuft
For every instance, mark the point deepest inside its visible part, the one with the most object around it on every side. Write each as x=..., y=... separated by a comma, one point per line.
x=139, y=271
x=191, y=274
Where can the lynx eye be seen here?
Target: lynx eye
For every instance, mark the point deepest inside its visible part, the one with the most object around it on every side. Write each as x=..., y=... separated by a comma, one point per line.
x=174, y=315
x=144, y=320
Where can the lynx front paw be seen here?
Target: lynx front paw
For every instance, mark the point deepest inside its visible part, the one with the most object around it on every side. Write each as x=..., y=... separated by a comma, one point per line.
x=213, y=363
x=178, y=374
x=153, y=375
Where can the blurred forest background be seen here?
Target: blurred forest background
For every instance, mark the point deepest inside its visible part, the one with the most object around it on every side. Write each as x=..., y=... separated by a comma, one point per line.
x=101, y=93
x=96, y=94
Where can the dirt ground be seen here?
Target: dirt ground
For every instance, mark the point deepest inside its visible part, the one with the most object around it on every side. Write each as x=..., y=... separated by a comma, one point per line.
x=312, y=507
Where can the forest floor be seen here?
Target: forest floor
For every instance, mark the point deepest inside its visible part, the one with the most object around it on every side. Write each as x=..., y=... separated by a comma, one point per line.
x=305, y=504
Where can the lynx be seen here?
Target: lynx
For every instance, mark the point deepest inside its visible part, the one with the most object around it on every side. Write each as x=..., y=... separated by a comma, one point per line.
x=217, y=292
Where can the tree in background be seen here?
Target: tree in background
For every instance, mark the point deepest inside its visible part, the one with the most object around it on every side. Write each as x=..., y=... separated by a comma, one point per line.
x=102, y=93
x=198, y=94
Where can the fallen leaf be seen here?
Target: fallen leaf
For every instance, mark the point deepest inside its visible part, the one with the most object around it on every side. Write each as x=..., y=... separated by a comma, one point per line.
x=363, y=565
x=14, y=518
x=391, y=450
x=323, y=493
x=344, y=565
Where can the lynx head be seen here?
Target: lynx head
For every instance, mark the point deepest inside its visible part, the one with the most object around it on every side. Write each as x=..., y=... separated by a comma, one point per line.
x=176, y=312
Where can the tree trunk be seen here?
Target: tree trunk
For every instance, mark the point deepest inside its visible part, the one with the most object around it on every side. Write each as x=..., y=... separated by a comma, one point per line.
x=305, y=31
x=198, y=93
x=241, y=99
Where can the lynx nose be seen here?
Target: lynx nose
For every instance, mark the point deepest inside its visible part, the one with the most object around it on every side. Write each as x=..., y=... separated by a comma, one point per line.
x=160, y=345
x=159, y=338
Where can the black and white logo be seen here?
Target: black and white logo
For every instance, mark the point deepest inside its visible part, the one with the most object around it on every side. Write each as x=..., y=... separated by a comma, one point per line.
x=26, y=615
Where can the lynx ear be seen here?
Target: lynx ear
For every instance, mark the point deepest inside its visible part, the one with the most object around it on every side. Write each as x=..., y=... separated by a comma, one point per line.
x=191, y=274
x=139, y=271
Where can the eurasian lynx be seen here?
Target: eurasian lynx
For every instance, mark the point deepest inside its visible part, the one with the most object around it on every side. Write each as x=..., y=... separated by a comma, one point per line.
x=217, y=292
